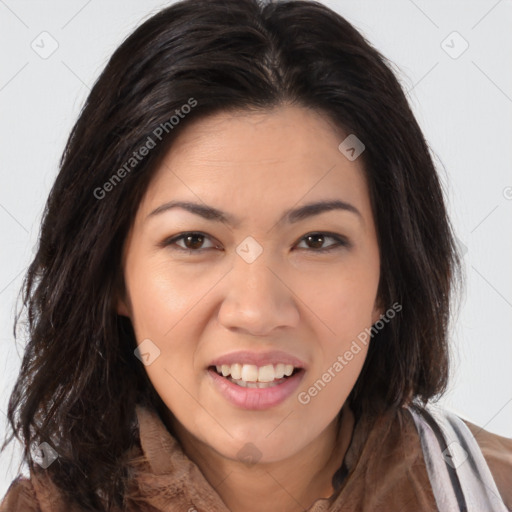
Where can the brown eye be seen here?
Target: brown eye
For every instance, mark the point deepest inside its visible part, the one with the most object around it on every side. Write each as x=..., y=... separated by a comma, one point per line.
x=315, y=241
x=191, y=242
x=194, y=241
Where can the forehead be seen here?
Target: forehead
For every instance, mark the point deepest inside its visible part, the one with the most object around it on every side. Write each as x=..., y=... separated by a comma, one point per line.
x=246, y=161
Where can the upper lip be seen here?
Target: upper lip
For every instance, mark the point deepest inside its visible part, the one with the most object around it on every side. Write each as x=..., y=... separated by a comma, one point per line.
x=258, y=358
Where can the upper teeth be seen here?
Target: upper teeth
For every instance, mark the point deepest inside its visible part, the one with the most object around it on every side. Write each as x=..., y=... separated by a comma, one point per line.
x=253, y=373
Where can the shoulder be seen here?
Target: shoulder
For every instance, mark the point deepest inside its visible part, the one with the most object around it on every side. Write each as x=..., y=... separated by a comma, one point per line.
x=497, y=452
x=20, y=497
x=36, y=493
x=476, y=463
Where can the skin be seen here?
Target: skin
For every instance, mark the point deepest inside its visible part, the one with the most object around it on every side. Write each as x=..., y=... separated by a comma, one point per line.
x=196, y=306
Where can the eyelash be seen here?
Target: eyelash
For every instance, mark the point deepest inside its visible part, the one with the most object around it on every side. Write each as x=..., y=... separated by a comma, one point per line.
x=341, y=242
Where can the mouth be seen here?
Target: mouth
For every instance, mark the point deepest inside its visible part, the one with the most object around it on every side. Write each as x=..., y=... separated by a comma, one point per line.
x=253, y=387
x=255, y=377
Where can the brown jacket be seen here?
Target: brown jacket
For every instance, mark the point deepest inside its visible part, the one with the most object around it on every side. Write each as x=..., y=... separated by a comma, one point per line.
x=383, y=470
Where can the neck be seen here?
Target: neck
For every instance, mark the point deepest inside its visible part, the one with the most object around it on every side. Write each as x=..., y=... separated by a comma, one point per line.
x=288, y=485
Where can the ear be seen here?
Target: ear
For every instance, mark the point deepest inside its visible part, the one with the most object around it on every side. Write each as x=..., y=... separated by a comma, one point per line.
x=122, y=304
x=378, y=310
x=122, y=308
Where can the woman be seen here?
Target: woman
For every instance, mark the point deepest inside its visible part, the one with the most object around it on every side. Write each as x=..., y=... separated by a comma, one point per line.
x=241, y=293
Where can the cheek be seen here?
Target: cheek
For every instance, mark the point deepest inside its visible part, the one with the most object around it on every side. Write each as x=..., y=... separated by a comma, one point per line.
x=162, y=311
x=344, y=299
x=168, y=306
x=345, y=308
x=160, y=299
x=340, y=358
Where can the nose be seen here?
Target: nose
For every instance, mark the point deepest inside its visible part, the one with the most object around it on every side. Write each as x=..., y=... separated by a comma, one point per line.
x=258, y=298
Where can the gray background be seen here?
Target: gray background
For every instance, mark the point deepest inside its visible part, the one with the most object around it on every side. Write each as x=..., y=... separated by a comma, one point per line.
x=463, y=101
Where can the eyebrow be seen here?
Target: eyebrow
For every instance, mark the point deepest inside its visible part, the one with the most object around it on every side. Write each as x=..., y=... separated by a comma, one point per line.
x=290, y=216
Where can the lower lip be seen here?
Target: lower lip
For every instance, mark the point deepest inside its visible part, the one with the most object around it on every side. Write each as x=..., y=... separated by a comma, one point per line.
x=256, y=399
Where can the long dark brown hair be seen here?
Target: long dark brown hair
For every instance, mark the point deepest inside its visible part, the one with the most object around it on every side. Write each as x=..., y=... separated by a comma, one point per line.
x=79, y=381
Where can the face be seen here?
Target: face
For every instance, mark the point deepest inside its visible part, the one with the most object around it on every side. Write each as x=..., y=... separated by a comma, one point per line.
x=250, y=283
